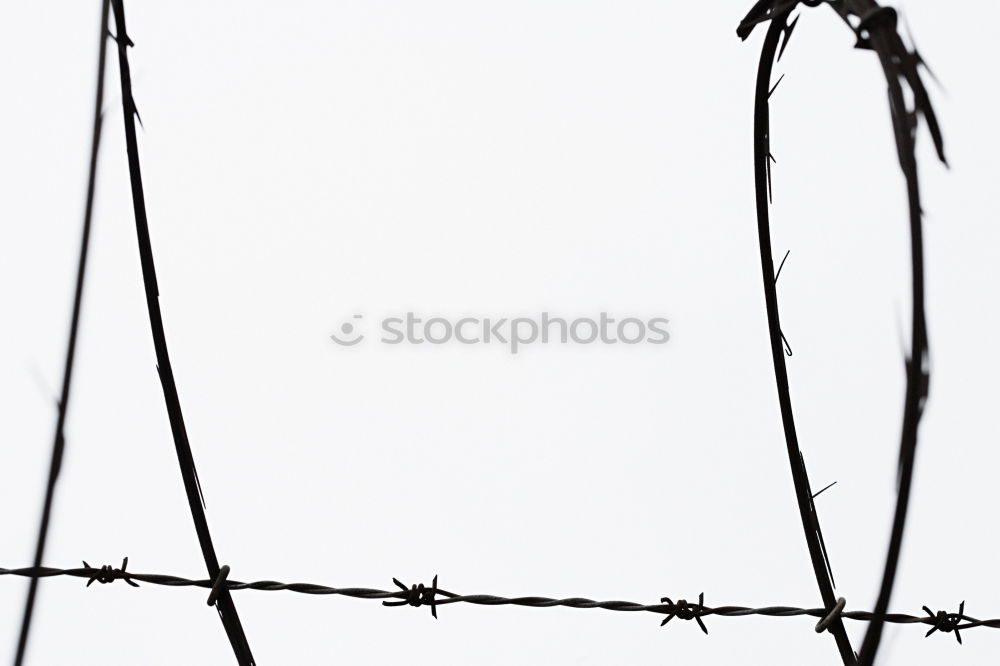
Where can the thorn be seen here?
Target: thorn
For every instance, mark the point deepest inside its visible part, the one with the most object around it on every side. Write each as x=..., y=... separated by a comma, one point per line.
x=775, y=86
x=780, y=266
x=770, y=192
x=128, y=42
x=784, y=342
x=824, y=490
x=433, y=601
x=919, y=60
x=787, y=35
x=915, y=54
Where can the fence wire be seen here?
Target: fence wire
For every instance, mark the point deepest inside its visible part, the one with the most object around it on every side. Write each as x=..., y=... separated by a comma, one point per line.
x=434, y=596
x=875, y=27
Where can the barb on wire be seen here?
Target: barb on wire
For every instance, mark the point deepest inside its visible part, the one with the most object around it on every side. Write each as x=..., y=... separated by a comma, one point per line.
x=823, y=490
x=417, y=595
x=192, y=486
x=786, y=37
x=947, y=622
x=124, y=41
x=107, y=574
x=687, y=611
x=59, y=440
x=784, y=341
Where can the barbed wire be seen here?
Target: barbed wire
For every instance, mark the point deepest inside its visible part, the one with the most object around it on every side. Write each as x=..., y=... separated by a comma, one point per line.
x=433, y=596
x=876, y=30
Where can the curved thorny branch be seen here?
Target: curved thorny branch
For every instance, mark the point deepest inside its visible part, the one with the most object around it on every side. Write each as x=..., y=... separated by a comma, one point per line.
x=876, y=30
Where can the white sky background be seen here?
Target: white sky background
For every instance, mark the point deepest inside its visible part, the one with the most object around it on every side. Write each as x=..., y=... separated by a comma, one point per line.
x=305, y=162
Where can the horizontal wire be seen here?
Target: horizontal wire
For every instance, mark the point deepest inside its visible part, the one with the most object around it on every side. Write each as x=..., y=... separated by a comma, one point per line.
x=682, y=608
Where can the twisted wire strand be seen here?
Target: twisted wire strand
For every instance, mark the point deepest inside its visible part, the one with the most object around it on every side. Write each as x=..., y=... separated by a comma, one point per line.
x=958, y=621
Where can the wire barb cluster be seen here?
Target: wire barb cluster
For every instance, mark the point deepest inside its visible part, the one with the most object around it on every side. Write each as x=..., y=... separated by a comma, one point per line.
x=687, y=611
x=417, y=595
x=947, y=622
x=107, y=574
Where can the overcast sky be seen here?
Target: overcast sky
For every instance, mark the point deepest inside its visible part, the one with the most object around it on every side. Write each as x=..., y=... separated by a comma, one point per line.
x=309, y=162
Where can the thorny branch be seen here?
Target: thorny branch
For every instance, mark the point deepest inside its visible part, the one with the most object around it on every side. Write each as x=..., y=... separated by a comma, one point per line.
x=876, y=29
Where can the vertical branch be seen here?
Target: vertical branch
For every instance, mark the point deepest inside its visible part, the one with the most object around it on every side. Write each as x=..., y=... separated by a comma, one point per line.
x=800, y=479
x=59, y=441
x=224, y=604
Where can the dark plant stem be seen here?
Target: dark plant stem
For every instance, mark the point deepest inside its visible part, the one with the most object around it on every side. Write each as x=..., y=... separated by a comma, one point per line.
x=224, y=605
x=807, y=510
x=59, y=441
